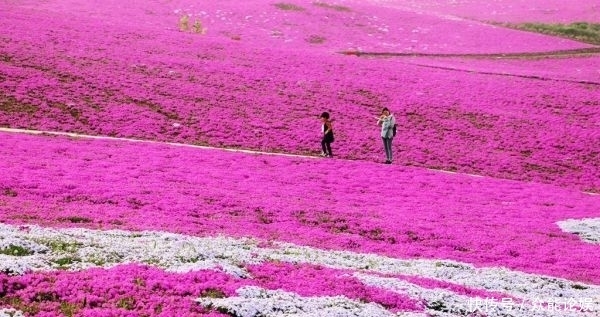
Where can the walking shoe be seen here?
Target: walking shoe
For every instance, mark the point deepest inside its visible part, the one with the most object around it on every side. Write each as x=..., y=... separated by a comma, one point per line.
x=388, y=162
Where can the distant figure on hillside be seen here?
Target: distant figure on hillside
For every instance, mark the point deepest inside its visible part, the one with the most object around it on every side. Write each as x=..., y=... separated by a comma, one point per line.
x=327, y=131
x=387, y=121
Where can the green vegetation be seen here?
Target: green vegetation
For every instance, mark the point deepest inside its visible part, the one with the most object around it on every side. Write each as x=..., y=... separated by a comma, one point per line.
x=76, y=219
x=152, y=261
x=61, y=246
x=213, y=293
x=16, y=250
x=332, y=6
x=581, y=31
x=127, y=303
x=29, y=309
x=97, y=261
x=139, y=281
x=45, y=297
x=68, y=309
x=66, y=261
x=184, y=259
x=288, y=6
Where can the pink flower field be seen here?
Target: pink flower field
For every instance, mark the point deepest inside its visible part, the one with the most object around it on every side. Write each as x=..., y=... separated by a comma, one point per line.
x=162, y=159
x=552, y=11
x=96, y=72
x=585, y=70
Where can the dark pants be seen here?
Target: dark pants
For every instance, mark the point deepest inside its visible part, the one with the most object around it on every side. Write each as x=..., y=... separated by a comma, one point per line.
x=326, y=145
x=387, y=144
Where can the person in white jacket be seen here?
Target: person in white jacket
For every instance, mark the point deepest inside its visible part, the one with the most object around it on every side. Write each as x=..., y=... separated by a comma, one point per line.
x=387, y=121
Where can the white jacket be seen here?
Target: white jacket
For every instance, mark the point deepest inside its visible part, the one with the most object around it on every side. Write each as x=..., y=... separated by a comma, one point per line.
x=387, y=125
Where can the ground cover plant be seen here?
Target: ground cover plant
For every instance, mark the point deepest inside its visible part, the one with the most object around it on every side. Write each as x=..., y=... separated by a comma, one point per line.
x=300, y=217
x=512, y=11
x=113, y=227
x=156, y=82
x=541, y=67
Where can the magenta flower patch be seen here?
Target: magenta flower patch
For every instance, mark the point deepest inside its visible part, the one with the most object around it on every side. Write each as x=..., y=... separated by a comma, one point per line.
x=489, y=208
x=256, y=80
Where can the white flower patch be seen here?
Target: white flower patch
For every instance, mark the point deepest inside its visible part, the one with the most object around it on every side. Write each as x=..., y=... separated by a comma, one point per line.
x=19, y=265
x=255, y=301
x=9, y=312
x=587, y=229
x=78, y=249
x=442, y=301
x=503, y=280
x=16, y=245
x=436, y=300
x=15, y=254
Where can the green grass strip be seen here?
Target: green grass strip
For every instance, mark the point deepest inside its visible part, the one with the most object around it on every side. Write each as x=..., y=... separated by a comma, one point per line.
x=580, y=31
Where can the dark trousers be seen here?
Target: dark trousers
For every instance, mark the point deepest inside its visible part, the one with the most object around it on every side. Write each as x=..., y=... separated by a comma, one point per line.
x=387, y=144
x=326, y=145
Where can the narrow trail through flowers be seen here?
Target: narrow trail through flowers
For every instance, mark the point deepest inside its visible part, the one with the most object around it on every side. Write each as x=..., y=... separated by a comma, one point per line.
x=99, y=137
